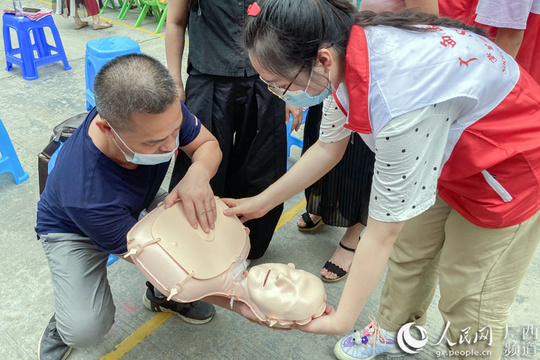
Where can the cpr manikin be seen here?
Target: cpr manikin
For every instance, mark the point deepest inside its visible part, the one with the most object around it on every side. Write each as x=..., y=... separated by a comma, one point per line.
x=188, y=264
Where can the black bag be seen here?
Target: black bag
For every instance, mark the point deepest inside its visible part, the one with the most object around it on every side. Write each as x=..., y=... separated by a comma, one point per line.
x=61, y=133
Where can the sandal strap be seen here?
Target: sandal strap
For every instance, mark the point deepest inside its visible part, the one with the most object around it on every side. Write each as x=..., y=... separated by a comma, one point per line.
x=307, y=220
x=338, y=270
x=346, y=247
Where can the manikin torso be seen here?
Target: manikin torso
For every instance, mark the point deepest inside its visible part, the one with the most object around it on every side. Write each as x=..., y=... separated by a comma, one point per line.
x=188, y=264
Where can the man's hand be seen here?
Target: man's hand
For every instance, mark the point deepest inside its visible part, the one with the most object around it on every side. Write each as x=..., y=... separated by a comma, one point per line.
x=244, y=310
x=297, y=116
x=197, y=198
x=239, y=307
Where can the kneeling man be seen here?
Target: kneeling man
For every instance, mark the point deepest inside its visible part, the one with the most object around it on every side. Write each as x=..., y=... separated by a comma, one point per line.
x=107, y=173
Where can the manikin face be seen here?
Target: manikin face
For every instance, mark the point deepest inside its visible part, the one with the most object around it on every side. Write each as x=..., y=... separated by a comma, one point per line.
x=282, y=292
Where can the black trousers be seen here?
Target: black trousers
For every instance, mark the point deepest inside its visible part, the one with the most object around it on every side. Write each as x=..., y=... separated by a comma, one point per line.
x=249, y=123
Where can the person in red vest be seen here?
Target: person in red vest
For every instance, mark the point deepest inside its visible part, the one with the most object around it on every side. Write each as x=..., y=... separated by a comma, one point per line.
x=453, y=123
x=514, y=26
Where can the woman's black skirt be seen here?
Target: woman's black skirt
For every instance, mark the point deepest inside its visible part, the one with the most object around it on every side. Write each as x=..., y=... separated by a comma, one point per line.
x=341, y=197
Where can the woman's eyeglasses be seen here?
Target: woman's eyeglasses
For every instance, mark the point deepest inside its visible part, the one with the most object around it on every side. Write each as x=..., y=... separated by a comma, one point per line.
x=278, y=91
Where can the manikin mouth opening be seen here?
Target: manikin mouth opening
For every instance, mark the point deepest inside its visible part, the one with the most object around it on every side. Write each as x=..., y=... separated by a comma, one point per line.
x=266, y=278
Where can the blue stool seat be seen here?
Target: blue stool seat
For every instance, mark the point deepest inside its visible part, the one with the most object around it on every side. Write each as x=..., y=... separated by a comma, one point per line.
x=9, y=162
x=28, y=56
x=112, y=258
x=98, y=53
x=291, y=139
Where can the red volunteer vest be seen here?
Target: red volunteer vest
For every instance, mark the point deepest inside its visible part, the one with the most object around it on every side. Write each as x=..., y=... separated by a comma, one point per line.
x=492, y=176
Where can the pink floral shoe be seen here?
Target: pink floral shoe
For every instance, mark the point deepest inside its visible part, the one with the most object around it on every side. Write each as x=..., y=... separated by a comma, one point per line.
x=368, y=343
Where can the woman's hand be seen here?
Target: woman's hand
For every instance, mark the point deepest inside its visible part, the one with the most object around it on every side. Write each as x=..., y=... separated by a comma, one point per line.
x=325, y=324
x=247, y=208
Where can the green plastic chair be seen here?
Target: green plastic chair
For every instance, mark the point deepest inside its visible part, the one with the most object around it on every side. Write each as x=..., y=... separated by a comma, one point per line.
x=107, y=2
x=126, y=6
x=158, y=9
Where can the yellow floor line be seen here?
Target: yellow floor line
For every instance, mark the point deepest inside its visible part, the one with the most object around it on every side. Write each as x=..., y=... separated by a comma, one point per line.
x=291, y=213
x=139, y=335
x=159, y=319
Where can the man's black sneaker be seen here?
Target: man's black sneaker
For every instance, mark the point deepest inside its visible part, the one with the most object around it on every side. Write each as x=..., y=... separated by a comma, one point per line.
x=197, y=312
x=51, y=346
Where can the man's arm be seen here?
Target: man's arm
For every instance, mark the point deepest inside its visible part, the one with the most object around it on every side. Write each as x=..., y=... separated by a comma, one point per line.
x=238, y=307
x=177, y=18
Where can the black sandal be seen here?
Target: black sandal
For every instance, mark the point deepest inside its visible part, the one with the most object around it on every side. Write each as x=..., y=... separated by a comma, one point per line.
x=338, y=270
x=310, y=225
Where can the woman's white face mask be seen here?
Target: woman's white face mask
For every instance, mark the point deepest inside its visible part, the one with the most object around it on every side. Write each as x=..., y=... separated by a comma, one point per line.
x=144, y=159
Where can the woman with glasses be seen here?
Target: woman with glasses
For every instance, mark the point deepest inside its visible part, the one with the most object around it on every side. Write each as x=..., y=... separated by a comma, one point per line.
x=341, y=197
x=453, y=123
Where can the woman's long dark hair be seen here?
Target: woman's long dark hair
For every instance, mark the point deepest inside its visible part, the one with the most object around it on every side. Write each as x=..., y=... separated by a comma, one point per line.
x=287, y=34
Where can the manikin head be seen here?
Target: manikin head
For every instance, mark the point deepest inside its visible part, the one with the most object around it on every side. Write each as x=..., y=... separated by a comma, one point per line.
x=283, y=292
x=188, y=264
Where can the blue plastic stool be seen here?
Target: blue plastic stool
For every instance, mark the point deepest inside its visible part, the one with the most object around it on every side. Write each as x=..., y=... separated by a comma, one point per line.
x=112, y=258
x=291, y=139
x=52, y=161
x=98, y=53
x=28, y=56
x=9, y=162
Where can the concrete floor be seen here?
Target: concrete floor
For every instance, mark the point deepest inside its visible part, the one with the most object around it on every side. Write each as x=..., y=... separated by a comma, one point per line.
x=29, y=110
